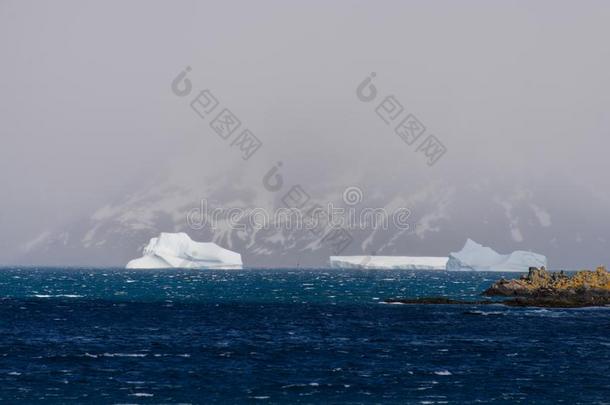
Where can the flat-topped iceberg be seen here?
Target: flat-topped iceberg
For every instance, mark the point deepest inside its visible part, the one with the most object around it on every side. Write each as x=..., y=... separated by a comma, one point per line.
x=178, y=250
x=474, y=256
x=388, y=262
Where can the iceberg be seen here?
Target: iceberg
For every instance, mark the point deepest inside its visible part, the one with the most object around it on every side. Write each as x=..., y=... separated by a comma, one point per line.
x=178, y=250
x=389, y=262
x=475, y=256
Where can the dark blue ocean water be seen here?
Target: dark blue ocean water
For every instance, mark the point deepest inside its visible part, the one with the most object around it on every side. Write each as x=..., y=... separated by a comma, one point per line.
x=287, y=336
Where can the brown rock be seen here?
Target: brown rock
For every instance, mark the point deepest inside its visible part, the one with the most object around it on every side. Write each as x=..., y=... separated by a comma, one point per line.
x=542, y=283
x=540, y=288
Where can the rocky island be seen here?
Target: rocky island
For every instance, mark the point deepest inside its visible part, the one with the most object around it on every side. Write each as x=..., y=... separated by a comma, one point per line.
x=540, y=288
x=543, y=288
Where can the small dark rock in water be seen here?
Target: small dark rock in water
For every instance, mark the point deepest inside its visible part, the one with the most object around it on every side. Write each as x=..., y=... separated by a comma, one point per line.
x=434, y=300
x=559, y=301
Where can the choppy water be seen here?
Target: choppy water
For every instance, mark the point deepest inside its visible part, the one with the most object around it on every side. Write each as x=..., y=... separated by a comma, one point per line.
x=289, y=336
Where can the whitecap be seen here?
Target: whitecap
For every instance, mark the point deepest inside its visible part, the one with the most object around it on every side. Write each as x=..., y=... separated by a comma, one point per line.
x=485, y=313
x=124, y=355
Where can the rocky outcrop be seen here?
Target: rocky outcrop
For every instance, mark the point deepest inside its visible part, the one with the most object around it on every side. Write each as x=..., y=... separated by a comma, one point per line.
x=540, y=288
x=540, y=282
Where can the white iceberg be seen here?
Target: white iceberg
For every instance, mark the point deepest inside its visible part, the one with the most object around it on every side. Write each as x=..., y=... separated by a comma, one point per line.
x=178, y=250
x=474, y=256
x=389, y=262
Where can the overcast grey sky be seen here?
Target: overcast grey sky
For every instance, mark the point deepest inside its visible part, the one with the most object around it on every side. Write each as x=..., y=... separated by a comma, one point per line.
x=515, y=90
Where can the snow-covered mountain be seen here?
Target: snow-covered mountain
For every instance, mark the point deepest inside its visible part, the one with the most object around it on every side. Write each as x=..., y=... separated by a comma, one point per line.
x=442, y=217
